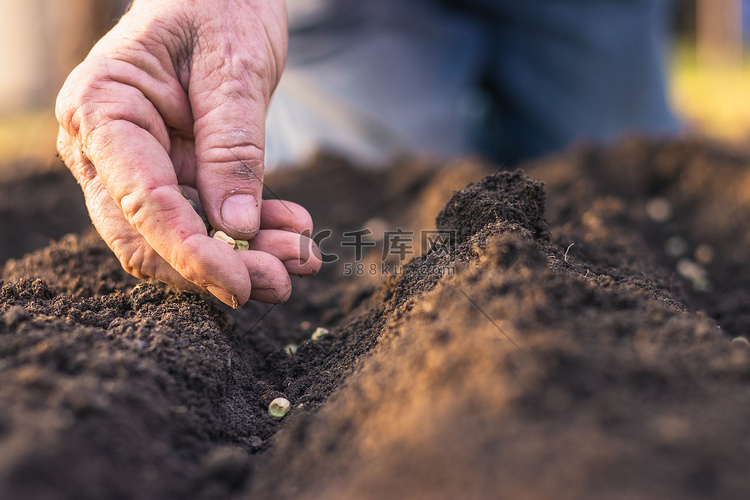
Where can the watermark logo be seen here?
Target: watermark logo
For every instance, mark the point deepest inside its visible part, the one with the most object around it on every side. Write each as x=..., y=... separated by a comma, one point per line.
x=394, y=247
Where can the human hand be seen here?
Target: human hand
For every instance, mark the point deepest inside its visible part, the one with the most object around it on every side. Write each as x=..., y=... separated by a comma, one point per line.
x=176, y=94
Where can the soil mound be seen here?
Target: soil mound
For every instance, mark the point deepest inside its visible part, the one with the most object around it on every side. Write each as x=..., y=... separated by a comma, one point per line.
x=590, y=348
x=505, y=199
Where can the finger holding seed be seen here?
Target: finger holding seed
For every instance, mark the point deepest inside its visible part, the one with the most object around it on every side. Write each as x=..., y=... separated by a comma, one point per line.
x=152, y=109
x=286, y=216
x=271, y=282
x=299, y=253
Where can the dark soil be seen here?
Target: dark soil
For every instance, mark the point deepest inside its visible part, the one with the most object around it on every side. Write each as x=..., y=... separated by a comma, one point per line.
x=37, y=208
x=579, y=335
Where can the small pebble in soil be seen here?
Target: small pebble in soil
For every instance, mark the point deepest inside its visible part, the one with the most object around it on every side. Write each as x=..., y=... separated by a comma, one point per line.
x=305, y=325
x=695, y=273
x=704, y=253
x=689, y=269
x=658, y=209
x=278, y=408
x=319, y=333
x=676, y=246
x=178, y=409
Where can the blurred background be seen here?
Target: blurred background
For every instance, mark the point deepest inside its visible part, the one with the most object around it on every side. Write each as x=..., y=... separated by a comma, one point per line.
x=42, y=40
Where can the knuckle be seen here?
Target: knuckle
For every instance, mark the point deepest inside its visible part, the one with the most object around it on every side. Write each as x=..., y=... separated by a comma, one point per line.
x=237, y=161
x=64, y=112
x=93, y=101
x=137, y=205
x=234, y=145
x=78, y=98
x=67, y=151
x=93, y=125
x=132, y=257
x=185, y=258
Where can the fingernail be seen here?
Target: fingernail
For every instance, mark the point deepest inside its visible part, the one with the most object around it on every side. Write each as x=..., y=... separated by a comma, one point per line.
x=310, y=268
x=240, y=213
x=282, y=300
x=223, y=296
x=296, y=263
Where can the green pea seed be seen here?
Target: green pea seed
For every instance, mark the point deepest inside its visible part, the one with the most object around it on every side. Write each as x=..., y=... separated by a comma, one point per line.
x=278, y=408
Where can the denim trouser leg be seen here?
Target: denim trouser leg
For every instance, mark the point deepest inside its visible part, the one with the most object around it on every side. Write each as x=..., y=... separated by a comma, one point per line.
x=562, y=70
x=374, y=78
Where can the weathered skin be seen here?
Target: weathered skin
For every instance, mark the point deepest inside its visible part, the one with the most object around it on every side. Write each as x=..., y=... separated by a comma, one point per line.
x=176, y=94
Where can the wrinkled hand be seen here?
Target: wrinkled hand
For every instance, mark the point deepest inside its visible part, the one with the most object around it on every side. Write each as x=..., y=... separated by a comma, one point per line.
x=176, y=94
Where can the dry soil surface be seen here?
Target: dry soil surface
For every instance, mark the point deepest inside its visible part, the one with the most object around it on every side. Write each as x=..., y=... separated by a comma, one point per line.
x=578, y=332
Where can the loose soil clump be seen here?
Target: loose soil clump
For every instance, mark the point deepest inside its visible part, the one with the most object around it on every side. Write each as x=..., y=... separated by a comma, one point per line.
x=579, y=334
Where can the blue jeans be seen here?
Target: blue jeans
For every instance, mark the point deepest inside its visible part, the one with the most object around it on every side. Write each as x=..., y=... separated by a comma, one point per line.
x=372, y=79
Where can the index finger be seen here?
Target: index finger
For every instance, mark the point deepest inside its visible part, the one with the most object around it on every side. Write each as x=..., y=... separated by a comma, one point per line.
x=138, y=174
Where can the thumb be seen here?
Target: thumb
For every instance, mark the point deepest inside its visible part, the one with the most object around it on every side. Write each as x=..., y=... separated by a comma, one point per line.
x=229, y=93
x=230, y=152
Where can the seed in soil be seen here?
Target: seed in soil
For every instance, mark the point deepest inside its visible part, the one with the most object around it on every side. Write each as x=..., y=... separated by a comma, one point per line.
x=676, y=246
x=319, y=333
x=659, y=210
x=704, y=253
x=278, y=408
